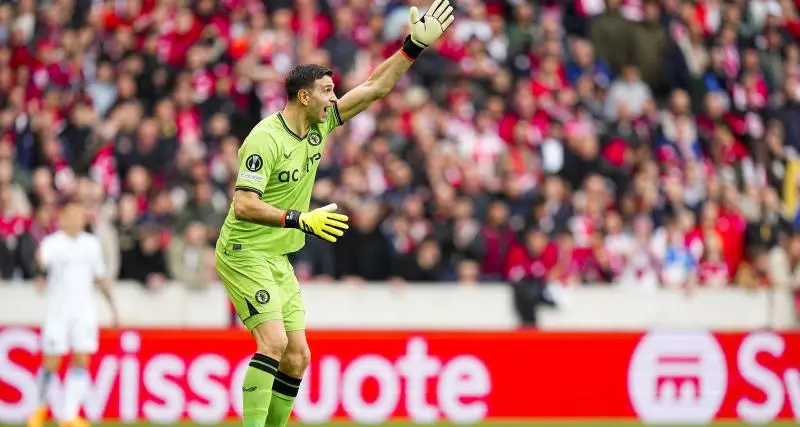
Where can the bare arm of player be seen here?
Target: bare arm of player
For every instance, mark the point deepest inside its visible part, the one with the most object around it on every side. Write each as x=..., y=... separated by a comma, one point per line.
x=39, y=279
x=248, y=206
x=423, y=32
x=377, y=85
x=104, y=284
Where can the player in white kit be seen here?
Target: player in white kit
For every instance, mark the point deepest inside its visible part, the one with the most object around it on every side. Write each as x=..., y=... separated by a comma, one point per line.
x=73, y=263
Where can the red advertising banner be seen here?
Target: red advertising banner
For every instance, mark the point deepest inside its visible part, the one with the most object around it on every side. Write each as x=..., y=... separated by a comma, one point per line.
x=661, y=377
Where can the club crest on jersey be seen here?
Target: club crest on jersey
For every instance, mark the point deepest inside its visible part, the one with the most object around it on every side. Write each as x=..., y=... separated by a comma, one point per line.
x=314, y=138
x=254, y=163
x=262, y=296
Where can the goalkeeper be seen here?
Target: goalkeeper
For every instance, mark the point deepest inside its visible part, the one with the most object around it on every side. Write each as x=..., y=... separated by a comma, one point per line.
x=268, y=216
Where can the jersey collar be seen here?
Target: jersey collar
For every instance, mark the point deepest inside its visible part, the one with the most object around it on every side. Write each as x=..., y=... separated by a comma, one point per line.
x=291, y=132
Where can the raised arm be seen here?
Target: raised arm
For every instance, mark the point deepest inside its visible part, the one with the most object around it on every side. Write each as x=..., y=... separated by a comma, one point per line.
x=423, y=32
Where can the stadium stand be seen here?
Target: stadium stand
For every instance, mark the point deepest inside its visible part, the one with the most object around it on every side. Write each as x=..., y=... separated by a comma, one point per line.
x=653, y=143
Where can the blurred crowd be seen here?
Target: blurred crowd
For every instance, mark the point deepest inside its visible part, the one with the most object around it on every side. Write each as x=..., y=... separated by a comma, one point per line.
x=645, y=143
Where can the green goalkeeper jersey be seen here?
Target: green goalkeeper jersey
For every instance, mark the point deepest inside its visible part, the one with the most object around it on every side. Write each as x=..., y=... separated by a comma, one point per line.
x=279, y=166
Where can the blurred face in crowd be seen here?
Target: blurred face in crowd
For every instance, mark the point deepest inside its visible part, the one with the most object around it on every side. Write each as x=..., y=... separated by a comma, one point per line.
x=72, y=219
x=6, y=172
x=368, y=217
x=444, y=196
x=642, y=228
x=400, y=175
x=428, y=254
x=219, y=125
x=45, y=215
x=582, y=53
x=772, y=202
x=5, y=197
x=105, y=74
x=566, y=242
x=679, y=102
x=686, y=221
x=630, y=73
x=6, y=79
x=128, y=210
x=165, y=112
x=185, y=21
x=652, y=11
x=138, y=180
x=42, y=181
x=126, y=86
x=413, y=208
x=150, y=242
x=147, y=135
x=794, y=247
x=196, y=58
x=713, y=249
x=709, y=215
x=195, y=234
x=613, y=222
x=202, y=193
x=463, y=209
x=83, y=115
x=535, y=242
x=162, y=205
x=498, y=214
x=468, y=272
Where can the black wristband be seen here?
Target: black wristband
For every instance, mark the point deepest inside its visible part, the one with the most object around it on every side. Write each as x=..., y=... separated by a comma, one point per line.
x=292, y=219
x=411, y=49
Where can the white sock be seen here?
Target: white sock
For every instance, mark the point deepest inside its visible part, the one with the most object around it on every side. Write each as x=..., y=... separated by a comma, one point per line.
x=74, y=391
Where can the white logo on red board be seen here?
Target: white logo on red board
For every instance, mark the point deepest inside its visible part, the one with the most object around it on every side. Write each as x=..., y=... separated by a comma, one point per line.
x=677, y=377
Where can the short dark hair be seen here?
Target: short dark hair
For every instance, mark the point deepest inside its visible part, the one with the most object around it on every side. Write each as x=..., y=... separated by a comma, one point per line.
x=303, y=77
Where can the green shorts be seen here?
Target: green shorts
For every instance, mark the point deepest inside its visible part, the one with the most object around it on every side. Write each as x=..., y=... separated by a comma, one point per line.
x=261, y=287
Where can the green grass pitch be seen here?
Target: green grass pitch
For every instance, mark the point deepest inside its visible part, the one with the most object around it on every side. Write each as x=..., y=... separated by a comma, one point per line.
x=529, y=423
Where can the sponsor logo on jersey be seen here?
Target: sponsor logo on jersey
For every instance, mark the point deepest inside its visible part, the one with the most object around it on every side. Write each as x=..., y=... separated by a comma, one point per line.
x=296, y=175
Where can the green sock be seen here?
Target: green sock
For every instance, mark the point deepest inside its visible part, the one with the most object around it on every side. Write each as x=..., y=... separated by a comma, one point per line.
x=257, y=390
x=284, y=391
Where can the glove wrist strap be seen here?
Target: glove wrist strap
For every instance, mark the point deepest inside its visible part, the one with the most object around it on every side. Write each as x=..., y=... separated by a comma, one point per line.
x=291, y=219
x=410, y=49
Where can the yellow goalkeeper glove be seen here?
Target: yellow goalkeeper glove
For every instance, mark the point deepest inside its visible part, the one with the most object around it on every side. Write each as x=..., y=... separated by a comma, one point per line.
x=425, y=31
x=322, y=222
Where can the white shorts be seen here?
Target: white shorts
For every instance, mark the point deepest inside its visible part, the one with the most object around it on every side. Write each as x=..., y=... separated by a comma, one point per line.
x=61, y=335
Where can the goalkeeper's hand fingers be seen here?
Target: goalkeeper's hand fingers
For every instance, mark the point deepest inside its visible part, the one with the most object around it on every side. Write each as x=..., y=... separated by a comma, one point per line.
x=325, y=223
x=428, y=29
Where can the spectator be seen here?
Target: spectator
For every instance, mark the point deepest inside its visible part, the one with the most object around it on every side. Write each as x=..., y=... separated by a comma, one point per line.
x=423, y=265
x=43, y=224
x=713, y=271
x=190, y=259
x=535, y=259
x=784, y=264
x=363, y=252
x=147, y=262
x=604, y=125
x=628, y=96
x=679, y=266
x=200, y=208
x=608, y=32
x=499, y=239
x=460, y=239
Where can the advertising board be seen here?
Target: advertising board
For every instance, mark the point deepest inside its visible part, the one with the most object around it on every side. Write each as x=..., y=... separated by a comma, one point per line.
x=368, y=376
